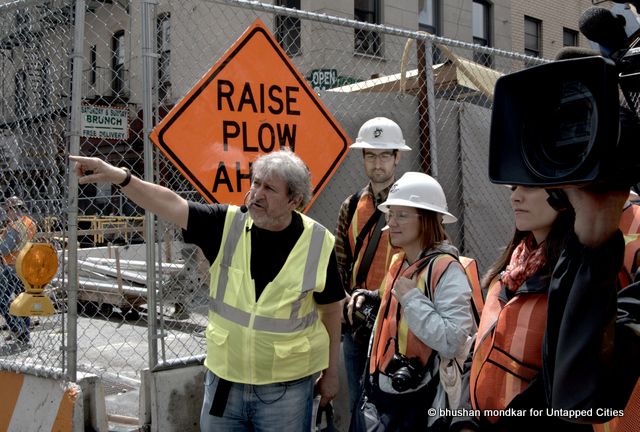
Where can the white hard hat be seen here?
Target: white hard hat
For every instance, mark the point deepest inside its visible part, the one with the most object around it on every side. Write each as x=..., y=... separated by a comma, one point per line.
x=415, y=189
x=13, y=201
x=380, y=133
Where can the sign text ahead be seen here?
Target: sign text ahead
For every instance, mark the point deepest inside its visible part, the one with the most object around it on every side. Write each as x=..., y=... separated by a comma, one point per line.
x=253, y=101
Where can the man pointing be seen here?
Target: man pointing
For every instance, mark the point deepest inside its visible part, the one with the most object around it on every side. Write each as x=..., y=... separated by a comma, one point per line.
x=275, y=292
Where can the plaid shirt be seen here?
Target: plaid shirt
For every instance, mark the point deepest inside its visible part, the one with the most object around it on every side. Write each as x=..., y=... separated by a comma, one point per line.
x=342, y=235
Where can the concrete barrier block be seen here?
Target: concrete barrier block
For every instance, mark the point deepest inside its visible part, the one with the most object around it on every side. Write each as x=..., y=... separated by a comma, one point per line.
x=95, y=411
x=30, y=403
x=176, y=398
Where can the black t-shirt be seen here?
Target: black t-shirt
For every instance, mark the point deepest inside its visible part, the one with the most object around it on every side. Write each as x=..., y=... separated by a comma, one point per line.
x=269, y=249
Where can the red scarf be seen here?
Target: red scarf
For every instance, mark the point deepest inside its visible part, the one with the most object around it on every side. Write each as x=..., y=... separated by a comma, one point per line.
x=526, y=259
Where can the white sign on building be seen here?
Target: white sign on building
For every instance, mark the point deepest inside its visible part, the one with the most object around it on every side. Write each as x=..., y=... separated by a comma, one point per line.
x=104, y=122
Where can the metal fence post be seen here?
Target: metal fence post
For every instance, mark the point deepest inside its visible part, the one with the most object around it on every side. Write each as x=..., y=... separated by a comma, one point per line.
x=74, y=149
x=148, y=67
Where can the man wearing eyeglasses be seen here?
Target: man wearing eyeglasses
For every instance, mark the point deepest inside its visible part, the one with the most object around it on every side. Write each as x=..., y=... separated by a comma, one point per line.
x=362, y=249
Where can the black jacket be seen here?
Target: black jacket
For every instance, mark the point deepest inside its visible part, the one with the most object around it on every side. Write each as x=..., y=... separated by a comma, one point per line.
x=590, y=354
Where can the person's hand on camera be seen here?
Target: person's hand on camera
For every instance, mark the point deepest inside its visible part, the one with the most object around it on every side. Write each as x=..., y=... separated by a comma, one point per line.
x=357, y=299
x=597, y=212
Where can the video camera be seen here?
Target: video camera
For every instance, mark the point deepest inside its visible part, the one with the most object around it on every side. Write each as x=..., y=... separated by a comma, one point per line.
x=562, y=122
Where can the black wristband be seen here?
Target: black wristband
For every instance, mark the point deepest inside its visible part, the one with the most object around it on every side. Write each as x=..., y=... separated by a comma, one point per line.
x=126, y=180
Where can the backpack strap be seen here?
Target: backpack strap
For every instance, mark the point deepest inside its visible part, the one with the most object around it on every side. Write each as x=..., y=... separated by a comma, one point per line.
x=470, y=267
x=376, y=220
x=372, y=245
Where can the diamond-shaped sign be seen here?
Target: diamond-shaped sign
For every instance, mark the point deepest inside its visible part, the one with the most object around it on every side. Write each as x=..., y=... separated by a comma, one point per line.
x=251, y=102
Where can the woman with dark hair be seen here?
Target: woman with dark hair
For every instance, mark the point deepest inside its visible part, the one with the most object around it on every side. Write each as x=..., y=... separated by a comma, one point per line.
x=425, y=311
x=544, y=352
x=541, y=226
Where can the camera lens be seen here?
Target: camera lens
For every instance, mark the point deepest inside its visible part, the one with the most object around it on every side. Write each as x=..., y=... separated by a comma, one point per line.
x=558, y=145
x=402, y=380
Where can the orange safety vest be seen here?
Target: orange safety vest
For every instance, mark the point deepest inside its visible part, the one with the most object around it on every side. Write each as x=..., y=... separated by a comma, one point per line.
x=508, y=348
x=388, y=329
x=27, y=230
x=384, y=251
x=630, y=227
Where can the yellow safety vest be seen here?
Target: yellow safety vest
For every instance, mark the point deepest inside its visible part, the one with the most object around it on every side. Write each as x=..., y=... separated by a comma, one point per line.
x=280, y=337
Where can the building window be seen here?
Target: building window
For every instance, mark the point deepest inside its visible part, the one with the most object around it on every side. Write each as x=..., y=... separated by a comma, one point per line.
x=367, y=41
x=118, y=62
x=93, y=60
x=164, y=55
x=482, y=30
x=288, y=29
x=429, y=21
x=569, y=37
x=428, y=16
x=532, y=29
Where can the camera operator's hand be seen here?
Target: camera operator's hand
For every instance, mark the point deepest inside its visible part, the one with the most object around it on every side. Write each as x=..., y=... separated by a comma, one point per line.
x=597, y=213
x=357, y=299
x=403, y=285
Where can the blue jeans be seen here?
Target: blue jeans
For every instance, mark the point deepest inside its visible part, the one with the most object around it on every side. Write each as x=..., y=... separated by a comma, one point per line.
x=10, y=285
x=280, y=407
x=355, y=360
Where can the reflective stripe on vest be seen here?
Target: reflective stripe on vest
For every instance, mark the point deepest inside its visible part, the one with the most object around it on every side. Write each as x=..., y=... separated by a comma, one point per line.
x=471, y=269
x=384, y=251
x=508, y=349
x=277, y=337
x=630, y=219
x=630, y=421
x=26, y=228
x=387, y=328
x=263, y=323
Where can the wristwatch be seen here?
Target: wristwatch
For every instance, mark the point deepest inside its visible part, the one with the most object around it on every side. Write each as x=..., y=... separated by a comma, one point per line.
x=126, y=180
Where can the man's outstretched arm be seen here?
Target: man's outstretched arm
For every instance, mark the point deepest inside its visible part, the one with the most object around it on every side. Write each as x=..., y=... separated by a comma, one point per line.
x=157, y=199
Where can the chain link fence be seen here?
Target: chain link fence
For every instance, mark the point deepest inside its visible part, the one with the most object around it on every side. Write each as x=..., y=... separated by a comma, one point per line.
x=133, y=55
x=34, y=88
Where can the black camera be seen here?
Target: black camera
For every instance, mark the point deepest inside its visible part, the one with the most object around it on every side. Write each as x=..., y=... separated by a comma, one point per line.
x=364, y=317
x=406, y=373
x=560, y=123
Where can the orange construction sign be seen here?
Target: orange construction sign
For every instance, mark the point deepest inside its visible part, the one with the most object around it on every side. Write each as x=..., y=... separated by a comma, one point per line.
x=253, y=101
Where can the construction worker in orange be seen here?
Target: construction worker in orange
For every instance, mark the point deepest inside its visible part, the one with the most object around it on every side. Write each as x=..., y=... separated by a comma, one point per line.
x=362, y=248
x=19, y=230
